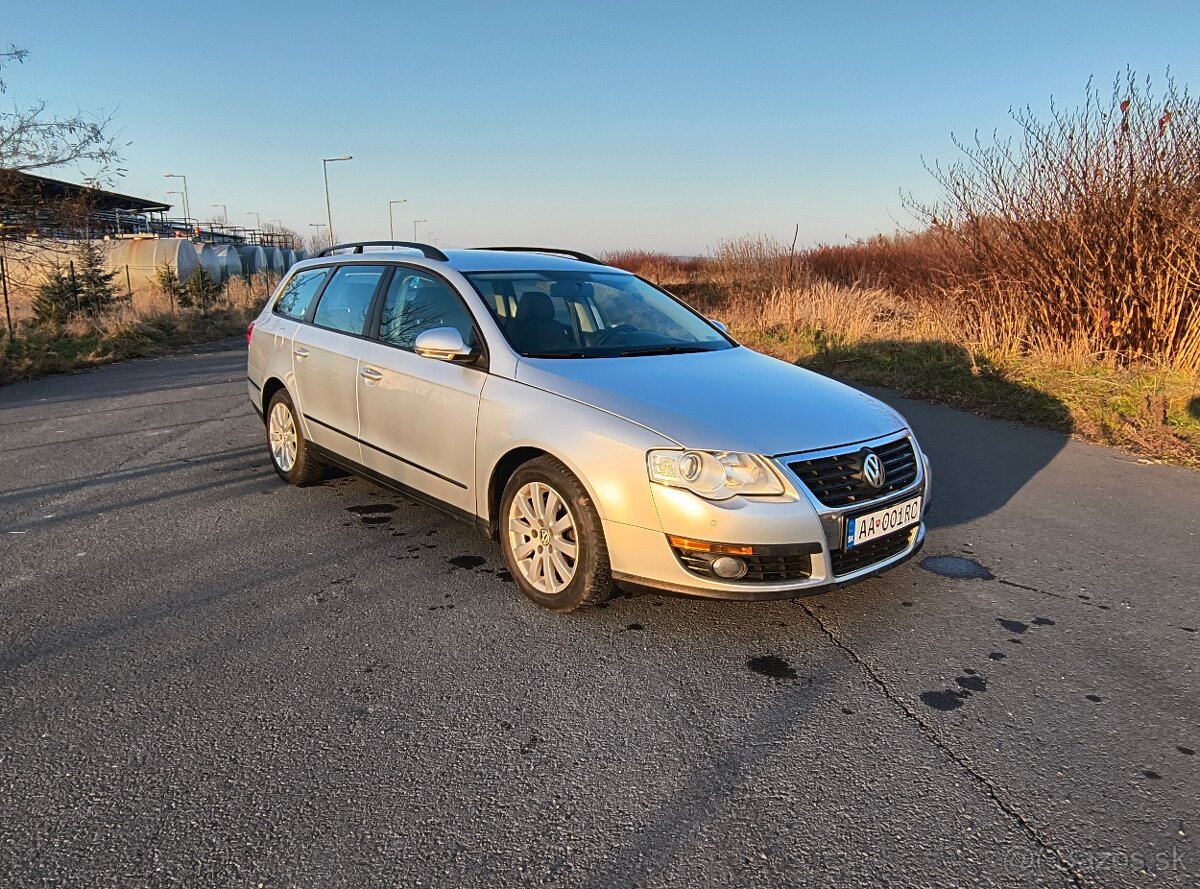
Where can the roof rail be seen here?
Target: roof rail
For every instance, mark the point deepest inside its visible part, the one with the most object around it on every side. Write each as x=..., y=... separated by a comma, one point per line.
x=574, y=254
x=427, y=250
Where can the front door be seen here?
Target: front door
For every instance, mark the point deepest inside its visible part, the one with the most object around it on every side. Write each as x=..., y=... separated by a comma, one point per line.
x=417, y=415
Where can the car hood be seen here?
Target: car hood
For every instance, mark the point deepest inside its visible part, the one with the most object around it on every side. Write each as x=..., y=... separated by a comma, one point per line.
x=733, y=399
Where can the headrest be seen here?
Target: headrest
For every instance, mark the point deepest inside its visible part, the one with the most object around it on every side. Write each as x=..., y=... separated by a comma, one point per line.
x=576, y=289
x=535, y=306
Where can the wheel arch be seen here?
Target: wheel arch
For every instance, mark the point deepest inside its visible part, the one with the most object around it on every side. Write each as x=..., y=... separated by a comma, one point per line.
x=512, y=460
x=270, y=387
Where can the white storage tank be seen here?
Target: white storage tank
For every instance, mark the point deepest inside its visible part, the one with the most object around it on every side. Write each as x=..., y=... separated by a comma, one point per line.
x=289, y=259
x=144, y=257
x=274, y=257
x=231, y=261
x=254, y=261
x=208, y=260
x=301, y=254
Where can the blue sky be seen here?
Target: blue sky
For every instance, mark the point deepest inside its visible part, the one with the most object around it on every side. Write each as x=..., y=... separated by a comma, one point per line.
x=659, y=125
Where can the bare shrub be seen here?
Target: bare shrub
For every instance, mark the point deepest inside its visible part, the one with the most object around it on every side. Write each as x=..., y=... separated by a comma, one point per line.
x=661, y=268
x=909, y=263
x=1088, y=224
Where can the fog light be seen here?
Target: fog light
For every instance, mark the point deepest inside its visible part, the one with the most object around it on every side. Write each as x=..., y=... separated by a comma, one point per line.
x=728, y=567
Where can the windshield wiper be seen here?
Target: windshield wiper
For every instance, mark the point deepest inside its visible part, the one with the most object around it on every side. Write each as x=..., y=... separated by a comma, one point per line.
x=664, y=350
x=556, y=355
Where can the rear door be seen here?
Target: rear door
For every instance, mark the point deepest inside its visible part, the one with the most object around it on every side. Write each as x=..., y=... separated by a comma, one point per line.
x=271, y=347
x=325, y=358
x=417, y=415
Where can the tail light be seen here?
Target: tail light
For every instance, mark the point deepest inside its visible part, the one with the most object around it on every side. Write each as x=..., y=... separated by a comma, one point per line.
x=249, y=332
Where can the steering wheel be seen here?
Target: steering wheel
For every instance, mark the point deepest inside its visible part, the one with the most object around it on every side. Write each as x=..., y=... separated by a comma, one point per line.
x=613, y=331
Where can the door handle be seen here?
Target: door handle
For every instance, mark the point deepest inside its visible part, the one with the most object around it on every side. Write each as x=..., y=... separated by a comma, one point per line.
x=300, y=352
x=370, y=373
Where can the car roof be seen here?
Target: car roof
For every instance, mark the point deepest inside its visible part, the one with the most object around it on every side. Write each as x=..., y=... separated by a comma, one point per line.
x=473, y=260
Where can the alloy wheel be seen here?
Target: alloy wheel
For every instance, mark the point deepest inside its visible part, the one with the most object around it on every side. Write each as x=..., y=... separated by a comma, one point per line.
x=543, y=538
x=281, y=433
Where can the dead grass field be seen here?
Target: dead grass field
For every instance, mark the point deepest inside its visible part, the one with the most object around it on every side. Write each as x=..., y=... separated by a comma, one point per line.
x=145, y=326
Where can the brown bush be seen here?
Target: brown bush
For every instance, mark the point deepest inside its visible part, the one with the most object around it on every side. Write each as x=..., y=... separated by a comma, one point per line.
x=1088, y=224
x=912, y=264
x=655, y=266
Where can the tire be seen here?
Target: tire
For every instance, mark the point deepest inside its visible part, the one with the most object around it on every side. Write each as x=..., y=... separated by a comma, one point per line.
x=304, y=468
x=538, y=566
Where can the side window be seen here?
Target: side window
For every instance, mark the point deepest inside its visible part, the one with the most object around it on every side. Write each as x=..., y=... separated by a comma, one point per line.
x=347, y=300
x=417, y=302
x=298, y=293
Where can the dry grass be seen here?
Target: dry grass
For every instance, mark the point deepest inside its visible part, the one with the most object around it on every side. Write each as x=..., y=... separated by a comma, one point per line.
x=145, y=326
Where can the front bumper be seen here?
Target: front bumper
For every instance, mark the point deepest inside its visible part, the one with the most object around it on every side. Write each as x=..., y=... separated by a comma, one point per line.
x=643, y=558
x=746, y=592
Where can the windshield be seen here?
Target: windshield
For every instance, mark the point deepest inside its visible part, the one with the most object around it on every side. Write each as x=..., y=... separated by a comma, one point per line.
x=589, y=314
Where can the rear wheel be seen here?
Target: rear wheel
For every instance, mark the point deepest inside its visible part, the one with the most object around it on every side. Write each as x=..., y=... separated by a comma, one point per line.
x=291, y=454
x=552, y=538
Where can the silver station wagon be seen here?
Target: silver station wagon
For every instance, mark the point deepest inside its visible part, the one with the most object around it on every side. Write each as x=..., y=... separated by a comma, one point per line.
x=600, y=429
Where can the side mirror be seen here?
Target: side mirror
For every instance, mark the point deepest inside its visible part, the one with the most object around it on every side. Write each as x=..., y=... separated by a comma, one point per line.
x=719, y=325
x=443, y=344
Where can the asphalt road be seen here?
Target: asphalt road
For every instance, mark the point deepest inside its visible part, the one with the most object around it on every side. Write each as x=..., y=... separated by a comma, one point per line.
x=209, y=678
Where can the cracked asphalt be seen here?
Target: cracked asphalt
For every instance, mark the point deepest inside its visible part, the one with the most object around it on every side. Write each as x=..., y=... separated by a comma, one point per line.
x=208, y=678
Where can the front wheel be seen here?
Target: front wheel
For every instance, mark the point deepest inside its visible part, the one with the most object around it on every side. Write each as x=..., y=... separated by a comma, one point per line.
x=291, y=454
x=552, y=538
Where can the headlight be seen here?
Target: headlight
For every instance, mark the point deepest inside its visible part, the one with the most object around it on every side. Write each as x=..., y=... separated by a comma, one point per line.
x=714, y=475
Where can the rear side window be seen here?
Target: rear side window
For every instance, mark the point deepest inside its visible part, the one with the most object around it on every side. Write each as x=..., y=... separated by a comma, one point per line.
x=416, y=303
x=347, y=299
x=298, y=294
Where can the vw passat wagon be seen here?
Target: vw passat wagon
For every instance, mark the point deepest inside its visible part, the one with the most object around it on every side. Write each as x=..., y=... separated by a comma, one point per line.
x=600, y=429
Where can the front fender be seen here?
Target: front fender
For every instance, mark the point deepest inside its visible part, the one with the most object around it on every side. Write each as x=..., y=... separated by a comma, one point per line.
x=605, y=452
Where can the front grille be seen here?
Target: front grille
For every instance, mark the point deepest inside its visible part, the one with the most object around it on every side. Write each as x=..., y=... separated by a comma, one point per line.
x=837, y=480
x=848, y=561
x=770, y=564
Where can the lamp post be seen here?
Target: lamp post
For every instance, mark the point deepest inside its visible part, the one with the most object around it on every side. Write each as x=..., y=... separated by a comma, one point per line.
x=318, y=226
x=257, y=218
x=391, y=222
x=415, y=223
x=180, y=194
x=325, y=162
x=224, y=213
x=187, y=209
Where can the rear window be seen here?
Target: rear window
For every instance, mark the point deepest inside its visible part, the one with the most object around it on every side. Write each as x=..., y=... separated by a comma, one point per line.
x=298, y=293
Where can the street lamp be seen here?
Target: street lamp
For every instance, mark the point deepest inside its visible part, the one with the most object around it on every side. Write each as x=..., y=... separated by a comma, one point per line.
x=187, y=210
x=325, y=162
x=257, y=218
x=224, y=213
x=391, y=224
x=415, y=223
x=318, y=226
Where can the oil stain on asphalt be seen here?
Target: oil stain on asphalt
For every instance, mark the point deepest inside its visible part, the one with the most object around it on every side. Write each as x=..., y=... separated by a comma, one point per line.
x=772, y=667
x=371, y=509
x=373, y=513
x=957, y=568
x=944, y=700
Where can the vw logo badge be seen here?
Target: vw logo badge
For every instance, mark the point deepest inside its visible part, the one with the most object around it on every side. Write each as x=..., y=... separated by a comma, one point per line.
x=872, y=470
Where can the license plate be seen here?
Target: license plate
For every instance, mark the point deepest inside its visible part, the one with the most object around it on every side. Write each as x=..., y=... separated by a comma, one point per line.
x=864, y=528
